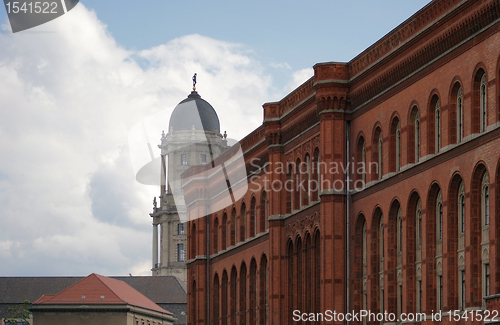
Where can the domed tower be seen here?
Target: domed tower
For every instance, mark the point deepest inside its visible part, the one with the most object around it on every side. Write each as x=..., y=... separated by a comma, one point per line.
x=193, y=138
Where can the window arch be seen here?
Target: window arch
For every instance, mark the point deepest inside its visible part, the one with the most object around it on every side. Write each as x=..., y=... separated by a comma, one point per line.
x=297, y=192
x=305, y=176
x=232, y=295
x=461, y=209
x=215, y=241
x=377, y=154
x=243, y=294
x=232, y=231
x=434, y=132
x=376, y=265
x=485, y=200
x=479, y=101
x=361, y=160
x=315, y=181
x=263, y=211
x=395, y=146
x=460, y=116
x=289, y=188
x=252, y=292
x=263, y=290
x=478, y=228
x=253, y=220
x=380, y=155
x=418, y=220
x=414, y=136
x=216, y=302
x=461, y=246
x=224, y=232
x=437, y=122
x=224, y=298
x=381, y=260
x=439, y=216
x=193, y=241
x=243, y=222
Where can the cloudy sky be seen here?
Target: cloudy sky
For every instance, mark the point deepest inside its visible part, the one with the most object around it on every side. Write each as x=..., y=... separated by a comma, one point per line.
x=72, y=90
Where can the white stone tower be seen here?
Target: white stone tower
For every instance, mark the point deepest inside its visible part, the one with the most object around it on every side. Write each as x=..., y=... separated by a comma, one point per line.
x=193, y=139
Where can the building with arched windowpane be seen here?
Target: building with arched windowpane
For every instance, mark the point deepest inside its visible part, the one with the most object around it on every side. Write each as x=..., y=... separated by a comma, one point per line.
x=372, y=186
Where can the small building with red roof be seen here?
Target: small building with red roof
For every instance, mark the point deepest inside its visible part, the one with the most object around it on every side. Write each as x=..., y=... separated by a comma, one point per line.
x=98, y=300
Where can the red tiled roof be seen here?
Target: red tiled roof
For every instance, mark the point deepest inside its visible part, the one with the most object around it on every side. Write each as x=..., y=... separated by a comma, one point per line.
x=98, y=289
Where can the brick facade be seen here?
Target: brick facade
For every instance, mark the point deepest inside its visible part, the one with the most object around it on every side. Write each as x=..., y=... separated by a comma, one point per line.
x=403, y=142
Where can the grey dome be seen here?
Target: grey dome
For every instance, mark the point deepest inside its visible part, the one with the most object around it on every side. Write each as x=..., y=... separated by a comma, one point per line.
x=194, y=111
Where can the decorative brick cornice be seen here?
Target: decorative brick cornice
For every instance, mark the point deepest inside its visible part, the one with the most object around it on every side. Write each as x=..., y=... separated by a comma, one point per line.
x=461, y=31
x=399, y=35
x=301, y=227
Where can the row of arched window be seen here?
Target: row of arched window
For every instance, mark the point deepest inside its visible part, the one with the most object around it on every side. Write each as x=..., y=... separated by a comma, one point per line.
x=303, y=183
x=455, y=126
x=237, y=227
x=303, y=270
x=239, y=296
x=394, y=273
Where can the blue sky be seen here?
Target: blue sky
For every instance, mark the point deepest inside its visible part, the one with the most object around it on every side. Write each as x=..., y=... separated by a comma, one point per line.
x=74, y=88
x=296, y=32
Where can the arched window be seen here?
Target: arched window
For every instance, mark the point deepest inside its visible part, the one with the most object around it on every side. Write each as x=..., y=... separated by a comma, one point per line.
x=484, y=250
x=437, y=123
x=224, y=298
x=253, y=219
x=224, y=232
x=460, y=117
x=461, y=209
x=263, y=290
x=398, y=147
x=417, y=137
x=381, y=260
x=297, y=191
x=305, y=176
x=263, y=212
x=252, y=283
x=289, y=188
x=215, y=297
x=314, y=187
x=233, y=228
x=485, y=199
x=479, y=108
x=243, y=294
x=365, y=269
x=439, y=216
x=361, y=160
x=418, y=218
x=395, y=146
x=380, y=155
x=243, y=222
x=400, y=231
x=193, y=241
x=215, y=232
x=482, y=102
x=414, y=136
x=232, y=295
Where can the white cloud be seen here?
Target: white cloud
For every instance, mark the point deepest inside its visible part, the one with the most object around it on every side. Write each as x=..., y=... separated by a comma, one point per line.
x=69, y=202
x=298, y=78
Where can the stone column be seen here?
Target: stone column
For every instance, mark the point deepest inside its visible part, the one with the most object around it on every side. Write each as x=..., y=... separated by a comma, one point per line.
x=155, y=245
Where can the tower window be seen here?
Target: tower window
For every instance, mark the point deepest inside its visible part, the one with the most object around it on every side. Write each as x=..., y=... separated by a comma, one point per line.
x=203, y=158
x=486, y=279
x=180, y=253
x=184, y=160
x=180, y=229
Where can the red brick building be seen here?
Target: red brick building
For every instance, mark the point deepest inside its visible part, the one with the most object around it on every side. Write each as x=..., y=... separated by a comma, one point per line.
x=403, y=142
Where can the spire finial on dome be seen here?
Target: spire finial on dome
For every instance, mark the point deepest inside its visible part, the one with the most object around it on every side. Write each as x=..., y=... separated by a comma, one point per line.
x=194, y=82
